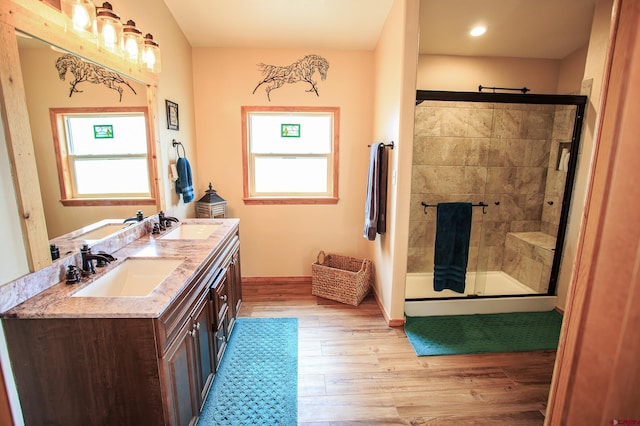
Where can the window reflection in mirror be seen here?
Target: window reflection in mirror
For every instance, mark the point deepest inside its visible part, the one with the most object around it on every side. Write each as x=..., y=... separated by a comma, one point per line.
x=102, y=155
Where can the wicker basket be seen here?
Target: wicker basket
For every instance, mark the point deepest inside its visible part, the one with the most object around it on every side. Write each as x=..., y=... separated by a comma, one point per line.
x=341, y=278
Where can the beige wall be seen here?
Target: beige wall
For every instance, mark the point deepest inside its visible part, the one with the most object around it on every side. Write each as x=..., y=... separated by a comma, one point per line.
x=396, y=57
x=593, y=73
x=465, y=74
x=284, y=240
x=175, y=84
x=571, y=71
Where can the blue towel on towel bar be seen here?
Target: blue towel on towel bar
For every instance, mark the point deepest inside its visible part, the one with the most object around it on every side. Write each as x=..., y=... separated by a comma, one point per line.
x=453, y=233
x=184, y=184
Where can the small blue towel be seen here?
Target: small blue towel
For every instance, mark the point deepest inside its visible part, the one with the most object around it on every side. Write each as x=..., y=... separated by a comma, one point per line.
x=453, y=233
x=184, y=184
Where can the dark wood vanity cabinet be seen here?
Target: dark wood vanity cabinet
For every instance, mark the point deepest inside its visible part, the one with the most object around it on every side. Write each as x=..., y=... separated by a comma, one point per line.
x=142, y=371
x=190, y=362
x=188, y=366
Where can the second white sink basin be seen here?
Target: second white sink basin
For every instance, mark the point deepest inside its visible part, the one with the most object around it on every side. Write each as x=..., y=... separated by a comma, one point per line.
x=191, y=232
x=134, y=277
x=102, y=232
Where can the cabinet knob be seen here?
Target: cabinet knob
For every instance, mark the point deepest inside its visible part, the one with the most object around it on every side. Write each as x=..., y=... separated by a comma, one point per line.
x=192, y=333
x=221, y=338
x=197, y=326
x=223, y=297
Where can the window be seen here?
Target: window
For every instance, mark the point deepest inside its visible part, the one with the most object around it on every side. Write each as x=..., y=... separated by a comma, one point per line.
x=290, y=155
x=103, y=156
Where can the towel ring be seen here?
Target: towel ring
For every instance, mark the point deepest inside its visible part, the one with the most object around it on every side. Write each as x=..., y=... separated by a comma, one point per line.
x=177, y=146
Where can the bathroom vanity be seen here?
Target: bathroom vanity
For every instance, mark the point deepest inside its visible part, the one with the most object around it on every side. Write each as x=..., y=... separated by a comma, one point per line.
x=97, y=353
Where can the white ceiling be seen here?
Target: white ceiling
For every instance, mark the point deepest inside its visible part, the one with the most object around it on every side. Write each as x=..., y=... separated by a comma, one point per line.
x=516, y=28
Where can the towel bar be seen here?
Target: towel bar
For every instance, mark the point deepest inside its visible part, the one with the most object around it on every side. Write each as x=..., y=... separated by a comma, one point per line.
x=480, y=204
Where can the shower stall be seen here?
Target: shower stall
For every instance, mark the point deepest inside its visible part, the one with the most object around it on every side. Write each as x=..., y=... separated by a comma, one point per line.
x=513, y=156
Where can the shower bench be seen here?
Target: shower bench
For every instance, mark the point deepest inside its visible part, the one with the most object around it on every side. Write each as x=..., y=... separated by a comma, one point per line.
x=528, y=257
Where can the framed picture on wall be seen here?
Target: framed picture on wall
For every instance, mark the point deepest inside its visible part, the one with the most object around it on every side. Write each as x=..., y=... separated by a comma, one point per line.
x=172, y=115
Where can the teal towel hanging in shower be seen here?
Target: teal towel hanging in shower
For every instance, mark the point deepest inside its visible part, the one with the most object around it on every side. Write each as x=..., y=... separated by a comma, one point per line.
x=453, y=233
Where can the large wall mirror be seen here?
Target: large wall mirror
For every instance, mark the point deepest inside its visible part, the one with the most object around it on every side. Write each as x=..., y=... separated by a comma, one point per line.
x=32, y=42
x=54, y=81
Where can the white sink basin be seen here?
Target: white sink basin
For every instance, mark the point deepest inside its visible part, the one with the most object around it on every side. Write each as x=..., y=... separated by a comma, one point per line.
x=133, y=277
x=102, y=232
x=191, y=232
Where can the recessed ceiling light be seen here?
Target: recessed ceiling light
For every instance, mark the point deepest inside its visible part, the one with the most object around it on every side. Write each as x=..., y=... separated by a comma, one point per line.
x=478, y=31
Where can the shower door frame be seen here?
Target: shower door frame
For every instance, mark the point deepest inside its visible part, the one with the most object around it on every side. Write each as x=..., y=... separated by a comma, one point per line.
x=580, y=101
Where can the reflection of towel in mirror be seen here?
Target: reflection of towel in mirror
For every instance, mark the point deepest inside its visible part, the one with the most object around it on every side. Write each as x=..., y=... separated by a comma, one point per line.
x=184, y=184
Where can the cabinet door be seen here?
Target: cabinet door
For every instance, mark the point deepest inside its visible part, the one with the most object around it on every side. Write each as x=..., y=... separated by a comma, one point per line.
x=204, y=349
x=220, y=339
x=179, y=366
x=235, y=286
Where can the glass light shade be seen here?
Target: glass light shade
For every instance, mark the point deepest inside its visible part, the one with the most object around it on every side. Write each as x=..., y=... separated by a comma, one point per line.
x=80, y=16
x=151, y=54
x=109, y=29
x=132, y=43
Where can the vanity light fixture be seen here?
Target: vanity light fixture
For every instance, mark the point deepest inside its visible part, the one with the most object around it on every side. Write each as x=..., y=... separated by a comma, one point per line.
x=109, y=28
x=84, y=18
x=478, y=31
x=80, y=16
x=132, y=43
x=151, y=54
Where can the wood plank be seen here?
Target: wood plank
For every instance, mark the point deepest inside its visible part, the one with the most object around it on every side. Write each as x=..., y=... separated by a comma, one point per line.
x=20, y=148
x=356, y=370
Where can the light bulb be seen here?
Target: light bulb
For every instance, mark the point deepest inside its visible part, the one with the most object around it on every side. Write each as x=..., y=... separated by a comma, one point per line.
x=478, y=31
x=80, y=16
x=109, y=35
x=151, y=54
x=80, y=19
x=132, y=42
x=109, y=29
x=131, y=47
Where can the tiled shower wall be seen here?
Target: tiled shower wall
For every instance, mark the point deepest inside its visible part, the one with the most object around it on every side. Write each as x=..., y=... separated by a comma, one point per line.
x=496, y=153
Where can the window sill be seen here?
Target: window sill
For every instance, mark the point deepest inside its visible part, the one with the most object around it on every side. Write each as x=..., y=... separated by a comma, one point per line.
x=285, y=200
x=108, y=202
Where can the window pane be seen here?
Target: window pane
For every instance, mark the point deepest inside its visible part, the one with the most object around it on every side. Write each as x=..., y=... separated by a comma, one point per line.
x=315, y=137
x=291, y=175
x=106, y=134
x=115, y=176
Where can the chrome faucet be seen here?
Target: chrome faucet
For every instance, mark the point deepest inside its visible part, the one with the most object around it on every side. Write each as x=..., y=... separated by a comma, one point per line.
x=87, y=259
x=139, y=217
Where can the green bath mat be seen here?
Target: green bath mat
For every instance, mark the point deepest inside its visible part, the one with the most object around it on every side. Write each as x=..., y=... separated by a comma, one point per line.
x=484, y=333
x=257, y=382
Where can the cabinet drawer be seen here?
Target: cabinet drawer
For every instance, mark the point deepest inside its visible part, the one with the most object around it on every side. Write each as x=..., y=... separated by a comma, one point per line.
x=220, y=297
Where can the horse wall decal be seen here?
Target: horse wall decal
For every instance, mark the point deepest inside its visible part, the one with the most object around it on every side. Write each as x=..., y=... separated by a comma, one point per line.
x=276, y=76
x=85, y=71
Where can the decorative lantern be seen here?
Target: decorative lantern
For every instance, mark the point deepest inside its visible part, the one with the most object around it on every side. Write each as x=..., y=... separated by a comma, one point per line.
x=211, y=205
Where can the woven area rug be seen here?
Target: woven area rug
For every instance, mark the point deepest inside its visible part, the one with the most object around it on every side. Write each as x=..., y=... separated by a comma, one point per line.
x=484, y=333
x=257, y=383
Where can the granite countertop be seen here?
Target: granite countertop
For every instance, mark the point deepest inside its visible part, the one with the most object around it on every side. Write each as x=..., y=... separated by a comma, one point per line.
x=56, y=301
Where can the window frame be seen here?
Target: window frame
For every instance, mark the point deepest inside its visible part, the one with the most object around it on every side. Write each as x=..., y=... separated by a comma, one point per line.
x=248, y=157
x=64, y=167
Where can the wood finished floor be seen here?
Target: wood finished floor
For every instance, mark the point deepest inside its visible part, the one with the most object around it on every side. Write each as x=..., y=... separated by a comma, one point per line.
x=355, y=370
